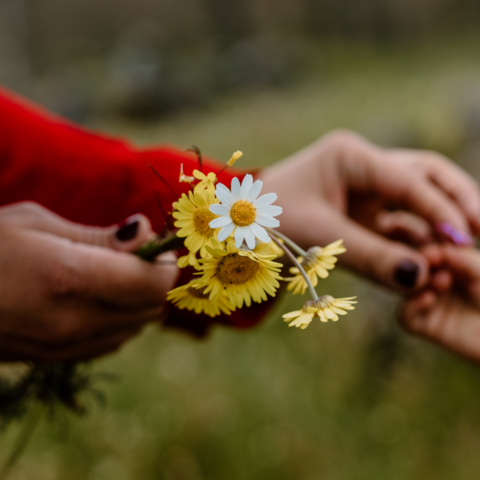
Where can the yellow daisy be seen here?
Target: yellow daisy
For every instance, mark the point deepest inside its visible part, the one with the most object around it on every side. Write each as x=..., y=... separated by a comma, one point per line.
x=242, y=274
x=192, y=298
x=325, y=308
x=193, y=216
x=207, y=182
x=316, y=264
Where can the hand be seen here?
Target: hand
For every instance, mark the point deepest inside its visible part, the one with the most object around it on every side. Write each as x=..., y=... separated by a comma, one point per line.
x=449, y=313
x=344, y=187
x=68, y=291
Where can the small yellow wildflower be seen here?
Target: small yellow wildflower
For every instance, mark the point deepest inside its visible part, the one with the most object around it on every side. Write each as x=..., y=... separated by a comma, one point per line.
x=207, y=182
x=191, y=297
x=193, y=216
x=242, y=274
x=325, y=308
x=316, y=264
x=234, y=158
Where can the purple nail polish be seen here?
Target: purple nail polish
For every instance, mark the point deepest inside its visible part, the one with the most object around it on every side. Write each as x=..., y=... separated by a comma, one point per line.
x=128, y=229
x=448, y=232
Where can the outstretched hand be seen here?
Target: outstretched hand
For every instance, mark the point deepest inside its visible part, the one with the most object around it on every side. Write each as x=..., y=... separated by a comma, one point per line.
x=69, y=291
x=448, y=311
x=345, y=187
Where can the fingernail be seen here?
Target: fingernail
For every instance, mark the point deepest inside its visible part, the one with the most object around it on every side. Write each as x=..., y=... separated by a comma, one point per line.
x=406, y=273
x=457, y=237
x=128, y=229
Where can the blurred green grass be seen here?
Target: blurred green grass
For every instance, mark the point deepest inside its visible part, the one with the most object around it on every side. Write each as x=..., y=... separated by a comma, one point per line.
x=357, y=399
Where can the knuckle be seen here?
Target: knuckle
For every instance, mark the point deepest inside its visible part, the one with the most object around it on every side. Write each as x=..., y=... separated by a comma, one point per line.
x=340, y=139
x=26, y=211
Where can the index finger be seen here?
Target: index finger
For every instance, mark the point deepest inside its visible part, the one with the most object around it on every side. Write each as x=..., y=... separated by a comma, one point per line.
x=401, y=186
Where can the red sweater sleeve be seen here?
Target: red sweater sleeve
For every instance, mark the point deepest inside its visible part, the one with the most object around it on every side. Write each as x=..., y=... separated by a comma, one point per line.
x=95, y=180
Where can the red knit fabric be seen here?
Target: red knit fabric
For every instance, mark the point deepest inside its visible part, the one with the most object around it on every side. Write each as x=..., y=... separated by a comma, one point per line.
x=96, y=180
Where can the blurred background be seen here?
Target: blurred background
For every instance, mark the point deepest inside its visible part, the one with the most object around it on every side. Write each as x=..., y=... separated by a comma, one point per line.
x=357, y=399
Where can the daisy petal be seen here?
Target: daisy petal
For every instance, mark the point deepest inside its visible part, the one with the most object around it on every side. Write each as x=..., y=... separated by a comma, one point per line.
x=271, y=210
x=265, y=200
x=255, y=191
x=220, y=222
x=235, y=189
x=260, y=233
x=249, y=237
x=265, y=221
x=220, y=210
x=225, y=232
x=239, y=236
x=246, y=186
x=224, y=195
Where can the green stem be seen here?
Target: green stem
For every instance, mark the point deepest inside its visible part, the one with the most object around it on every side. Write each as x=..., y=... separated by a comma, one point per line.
x=289, y=242
x=291, y=256
x=150, y=250
x=24, y=437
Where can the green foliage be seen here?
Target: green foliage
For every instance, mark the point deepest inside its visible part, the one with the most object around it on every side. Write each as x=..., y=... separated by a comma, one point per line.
x=56, y=386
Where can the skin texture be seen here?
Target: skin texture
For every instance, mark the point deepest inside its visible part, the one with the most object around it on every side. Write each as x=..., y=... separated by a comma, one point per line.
x=342, y=186
x=448, y=311
x=68, y=291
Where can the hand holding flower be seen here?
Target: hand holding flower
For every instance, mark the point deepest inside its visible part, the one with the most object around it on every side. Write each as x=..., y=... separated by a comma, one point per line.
x=69, y=291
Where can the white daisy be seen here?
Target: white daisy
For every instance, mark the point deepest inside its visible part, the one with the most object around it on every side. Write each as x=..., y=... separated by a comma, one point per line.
x=241, y=211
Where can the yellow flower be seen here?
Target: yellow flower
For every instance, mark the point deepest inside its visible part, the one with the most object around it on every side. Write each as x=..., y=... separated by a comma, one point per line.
x=207, y=182
x=192, y=298
x=234, y=158
x=325, y=308
x=193, y=216
x=242, y=274
x=316, y=264
x=188, y=259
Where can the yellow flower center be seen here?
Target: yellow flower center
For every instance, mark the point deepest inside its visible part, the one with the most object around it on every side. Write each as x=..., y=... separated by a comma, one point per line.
x=201, y=218
x=197, y=292
x=236, y=269
x=243, y=213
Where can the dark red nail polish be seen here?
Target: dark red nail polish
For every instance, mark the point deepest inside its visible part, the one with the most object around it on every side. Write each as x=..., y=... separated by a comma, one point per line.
x=406, y=273
x=128, y=229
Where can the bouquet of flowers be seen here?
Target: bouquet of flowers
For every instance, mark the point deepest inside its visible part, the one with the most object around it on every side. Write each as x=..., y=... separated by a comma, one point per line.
x=228, y=237
x=231, y=241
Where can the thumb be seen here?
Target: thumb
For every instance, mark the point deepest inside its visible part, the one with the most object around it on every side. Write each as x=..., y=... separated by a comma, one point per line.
x=126, y=236
x=390, y=263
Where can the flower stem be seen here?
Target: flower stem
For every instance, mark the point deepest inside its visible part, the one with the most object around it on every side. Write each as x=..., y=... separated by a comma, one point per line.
x=20, y=445
x=151, y=249
x=291, y=256
x=289, y=242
